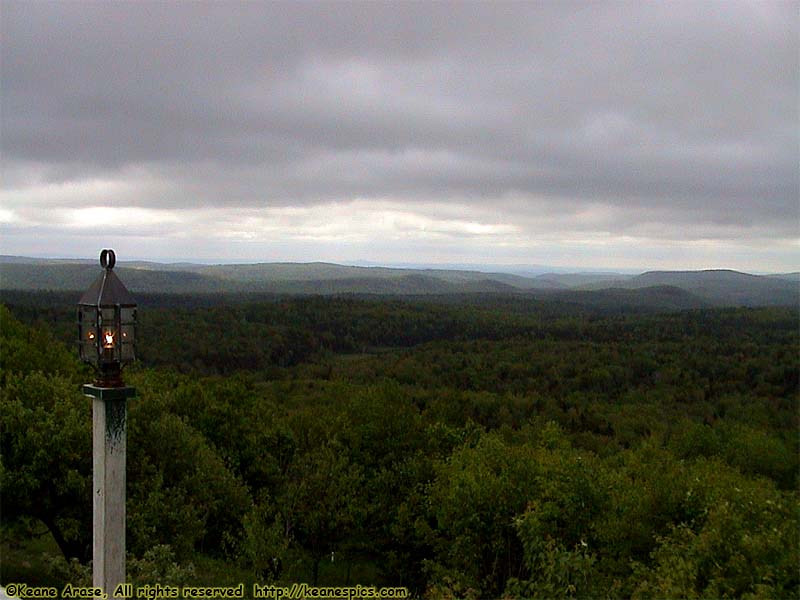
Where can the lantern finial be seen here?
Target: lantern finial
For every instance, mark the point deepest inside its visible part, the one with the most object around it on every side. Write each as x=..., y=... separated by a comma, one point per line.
x=108, y=259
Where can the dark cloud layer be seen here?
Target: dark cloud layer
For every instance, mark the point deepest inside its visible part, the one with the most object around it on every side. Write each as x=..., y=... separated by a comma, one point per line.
x=681, y=112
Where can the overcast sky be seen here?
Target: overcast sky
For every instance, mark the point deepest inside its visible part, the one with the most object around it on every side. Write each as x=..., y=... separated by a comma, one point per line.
x=585, y=134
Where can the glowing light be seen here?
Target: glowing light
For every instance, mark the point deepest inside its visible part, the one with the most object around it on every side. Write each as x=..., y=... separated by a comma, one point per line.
x=91, y=335
x=109, y=339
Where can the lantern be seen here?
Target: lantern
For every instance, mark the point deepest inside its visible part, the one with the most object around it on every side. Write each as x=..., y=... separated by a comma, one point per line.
x=107, y=325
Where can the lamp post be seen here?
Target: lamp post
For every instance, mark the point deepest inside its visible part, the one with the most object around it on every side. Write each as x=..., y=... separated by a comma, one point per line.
x=106, y=340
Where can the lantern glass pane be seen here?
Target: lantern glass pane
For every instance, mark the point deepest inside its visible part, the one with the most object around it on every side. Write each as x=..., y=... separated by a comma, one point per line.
x=107, y=315
x=91, y=354
x=88, y=351
x=88, y=314
x=127, y=332
x=127, y=351
x=128, y=315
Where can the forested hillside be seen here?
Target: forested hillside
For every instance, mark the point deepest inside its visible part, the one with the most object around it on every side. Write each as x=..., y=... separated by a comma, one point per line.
x=479, y=446
x=687, y=289
x=725, y=286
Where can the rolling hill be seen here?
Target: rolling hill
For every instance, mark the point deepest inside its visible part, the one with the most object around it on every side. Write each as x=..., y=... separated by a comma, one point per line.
x=720, y=287
x=667, y=289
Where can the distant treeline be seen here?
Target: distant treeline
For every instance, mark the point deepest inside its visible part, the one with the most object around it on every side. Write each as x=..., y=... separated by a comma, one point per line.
x=215, y=334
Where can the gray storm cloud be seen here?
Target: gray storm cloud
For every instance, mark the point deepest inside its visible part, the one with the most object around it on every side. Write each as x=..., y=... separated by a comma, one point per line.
x=678, y=115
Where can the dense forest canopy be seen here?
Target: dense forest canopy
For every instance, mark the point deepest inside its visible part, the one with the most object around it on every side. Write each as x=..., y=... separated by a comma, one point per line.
x=462, y=446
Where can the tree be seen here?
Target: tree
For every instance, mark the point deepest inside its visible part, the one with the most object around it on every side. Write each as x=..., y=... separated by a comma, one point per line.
x=47, y=458
x=477, y=494
x=322, y=502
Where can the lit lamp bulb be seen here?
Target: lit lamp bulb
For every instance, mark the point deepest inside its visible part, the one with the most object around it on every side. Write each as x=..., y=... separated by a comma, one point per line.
x=108, y=338
x=91, y=335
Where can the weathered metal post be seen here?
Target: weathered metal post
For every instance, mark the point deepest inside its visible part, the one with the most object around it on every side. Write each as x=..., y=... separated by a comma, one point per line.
x=106, y=334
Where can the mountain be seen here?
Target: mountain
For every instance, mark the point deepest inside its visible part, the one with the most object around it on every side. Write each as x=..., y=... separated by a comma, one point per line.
x=720, y=287
x=78, y=277
x=677, y=289
x=795, y=276
x=278, y=278
x=659, y=297
x=577, y=280
x=320, y=271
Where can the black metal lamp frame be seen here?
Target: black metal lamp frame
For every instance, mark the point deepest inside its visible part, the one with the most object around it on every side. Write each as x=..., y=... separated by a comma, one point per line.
x=107, y=324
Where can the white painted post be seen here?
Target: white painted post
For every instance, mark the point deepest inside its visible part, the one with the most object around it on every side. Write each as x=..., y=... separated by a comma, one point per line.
x=109, y=416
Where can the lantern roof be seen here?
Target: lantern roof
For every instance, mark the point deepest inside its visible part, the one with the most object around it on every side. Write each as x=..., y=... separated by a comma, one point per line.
x=107, y=291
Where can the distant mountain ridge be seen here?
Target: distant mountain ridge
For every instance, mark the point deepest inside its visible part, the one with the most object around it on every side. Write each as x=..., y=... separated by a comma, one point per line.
x=681, y=289
x=720, y=286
